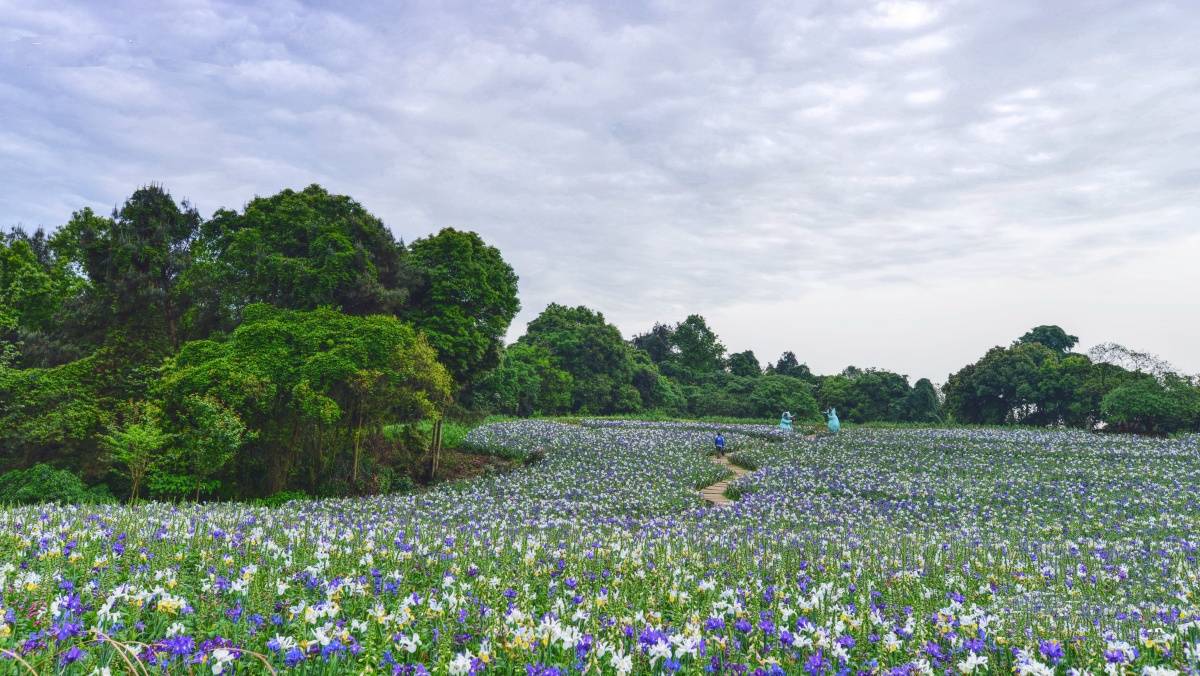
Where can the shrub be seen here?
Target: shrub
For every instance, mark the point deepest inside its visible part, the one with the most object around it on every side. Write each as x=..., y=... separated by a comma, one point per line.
x=43, y=483
x=281, y=498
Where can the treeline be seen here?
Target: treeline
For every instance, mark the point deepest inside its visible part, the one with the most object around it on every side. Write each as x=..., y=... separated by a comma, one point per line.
x=1038, y=380
x=572, y=361
x=294, y=345
x=257, y=351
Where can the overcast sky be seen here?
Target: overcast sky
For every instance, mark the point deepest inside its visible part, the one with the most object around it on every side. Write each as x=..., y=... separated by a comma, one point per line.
x=895, y=184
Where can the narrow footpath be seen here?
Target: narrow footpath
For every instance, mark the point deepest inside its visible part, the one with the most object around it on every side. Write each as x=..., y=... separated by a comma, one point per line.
x=715, y=494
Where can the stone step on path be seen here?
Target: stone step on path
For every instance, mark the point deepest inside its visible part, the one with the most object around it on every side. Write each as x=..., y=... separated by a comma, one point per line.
x=715, y=494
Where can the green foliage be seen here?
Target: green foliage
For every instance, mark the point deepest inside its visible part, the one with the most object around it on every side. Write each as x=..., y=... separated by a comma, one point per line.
x=698, y=351
x=135, y=447
x=134, y=261
x=921, y=404
x=209, y=437
x=1001, y=388
x=281, y=498
x=315, y=387
x=788, y=365
x=43, y=483
x=527, y=382
x=1051, y=336
x=300, y=251
x=745, y=364
x=600, y=363
x=54, y=414
x=1149, y=406
x=656, y=343
x=37, y=288
x=773, y=394
x=464, y=302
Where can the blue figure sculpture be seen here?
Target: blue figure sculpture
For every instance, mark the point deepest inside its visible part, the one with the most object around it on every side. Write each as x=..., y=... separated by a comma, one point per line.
x=831, y=420
x=785, y=422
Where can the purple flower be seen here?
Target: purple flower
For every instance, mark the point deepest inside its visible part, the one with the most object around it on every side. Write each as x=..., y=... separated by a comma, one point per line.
x=1051, y=650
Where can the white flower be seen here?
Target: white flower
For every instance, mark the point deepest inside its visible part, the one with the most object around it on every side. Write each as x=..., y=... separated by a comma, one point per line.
x=461, y=664
x=1158, y=671
x=623, y=664
x=220, y=657
x=660, y=650
x=973, y=662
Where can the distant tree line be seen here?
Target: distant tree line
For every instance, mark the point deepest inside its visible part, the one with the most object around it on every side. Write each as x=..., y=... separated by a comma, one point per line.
x=264, y=350
x=572, y=361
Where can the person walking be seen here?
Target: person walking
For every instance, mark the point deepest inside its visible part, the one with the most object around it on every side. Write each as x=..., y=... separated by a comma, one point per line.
x=719, y=442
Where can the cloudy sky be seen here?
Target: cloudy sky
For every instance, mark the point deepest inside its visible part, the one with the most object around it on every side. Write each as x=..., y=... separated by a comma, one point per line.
x=898, y=184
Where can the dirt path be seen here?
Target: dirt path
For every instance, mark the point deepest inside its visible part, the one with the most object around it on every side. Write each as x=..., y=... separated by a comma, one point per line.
x=715, y=494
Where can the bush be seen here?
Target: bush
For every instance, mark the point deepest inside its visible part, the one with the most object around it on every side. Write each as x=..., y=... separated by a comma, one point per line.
x=281, y=498
x=43, y=483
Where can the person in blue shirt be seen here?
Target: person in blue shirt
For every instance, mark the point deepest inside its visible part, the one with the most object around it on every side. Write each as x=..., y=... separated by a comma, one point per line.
x=719, y=442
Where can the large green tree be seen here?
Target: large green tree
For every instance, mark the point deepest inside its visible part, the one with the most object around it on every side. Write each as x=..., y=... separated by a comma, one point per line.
x=297, y=250
x=772, y=394
x=698, y=350
x=464, y=301
x=527, y=382
x=744, y=364
x=135, y=261
x=313, y=387
x=600, y=362
x=1053, y=337
x=788, y=365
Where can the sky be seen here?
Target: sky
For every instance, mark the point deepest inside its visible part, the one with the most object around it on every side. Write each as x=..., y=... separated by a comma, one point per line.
x=892, y=184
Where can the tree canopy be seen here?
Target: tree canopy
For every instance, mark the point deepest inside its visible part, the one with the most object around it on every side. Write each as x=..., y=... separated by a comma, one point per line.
x=464, y=301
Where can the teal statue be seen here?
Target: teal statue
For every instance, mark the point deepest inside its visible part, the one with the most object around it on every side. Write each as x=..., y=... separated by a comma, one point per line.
x=831, y=420
x=785, y=421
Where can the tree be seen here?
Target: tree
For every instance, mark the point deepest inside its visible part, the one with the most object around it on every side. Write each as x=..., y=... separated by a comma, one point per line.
x=1002, y=387
x=134, y=261
x=135, y=447
x=1150, y=406
x=789, y=366
x=1051, y=336
x=921, y=404
x=298, y=251
x=744, y=364
x=772, y=394
x=836, y=392
x=310, y=385
x=526, y=383
x=209, y=437
x=464, y=302
x=586, y=346
x=657, y=343
x=877, y=395
x=37, y=288
x=697, y=350
x=55, y=414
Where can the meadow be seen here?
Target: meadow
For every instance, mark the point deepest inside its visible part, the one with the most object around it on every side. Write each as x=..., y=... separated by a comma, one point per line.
x=970, y=550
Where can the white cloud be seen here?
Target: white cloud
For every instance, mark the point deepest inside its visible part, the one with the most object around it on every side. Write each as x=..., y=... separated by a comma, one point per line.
x=663, y=159
x=899, y=15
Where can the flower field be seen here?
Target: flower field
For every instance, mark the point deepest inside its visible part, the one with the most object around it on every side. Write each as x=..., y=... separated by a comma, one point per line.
x=877, y=551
